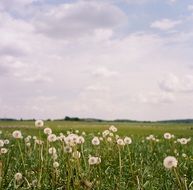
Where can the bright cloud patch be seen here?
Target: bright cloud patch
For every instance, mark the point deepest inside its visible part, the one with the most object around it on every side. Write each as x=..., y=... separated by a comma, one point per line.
x=165, y=24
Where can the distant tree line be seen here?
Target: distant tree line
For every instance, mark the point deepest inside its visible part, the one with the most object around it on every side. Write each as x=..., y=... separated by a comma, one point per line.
x=67, y=118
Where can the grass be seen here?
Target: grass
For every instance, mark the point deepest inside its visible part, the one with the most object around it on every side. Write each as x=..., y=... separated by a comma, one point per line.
x=135, y=166
x=136, y=129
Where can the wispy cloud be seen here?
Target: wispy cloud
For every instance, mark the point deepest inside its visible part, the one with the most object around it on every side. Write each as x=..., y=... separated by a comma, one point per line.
x=165, y=24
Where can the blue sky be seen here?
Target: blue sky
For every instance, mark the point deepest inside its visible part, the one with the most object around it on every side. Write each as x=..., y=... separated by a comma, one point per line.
x=96, y=58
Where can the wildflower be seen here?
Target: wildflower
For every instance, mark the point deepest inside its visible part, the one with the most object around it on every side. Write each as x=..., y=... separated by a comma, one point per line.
x=47, y=131
x=28, y=144
x=116, y=137
x=52, y=150
x=105, y=133
x=167, y=136
x=109, y=139
x=54, y=156
x=170, y=162
x=182, y=141
x=40, y=142
x=94, y=160
x=4, y=150
x=52, y=138
x=18, y=176
x=120, y=142
x=39, y=123
x=76, y=154
x=17, y=135
x=67, y=149
x=127, y=140
x=111, y=134
x=113, y=128
x=83, y=133
x=1, y=143
x=55, y=164
x=95, y=141
x=27, y=139
x=6, y=141
x=81, y=140
x=150, y=137
x=184, y=155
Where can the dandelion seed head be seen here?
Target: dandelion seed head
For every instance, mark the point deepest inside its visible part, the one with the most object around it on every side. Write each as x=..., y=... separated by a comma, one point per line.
x=94, y=160
x=182, y=141
x=39, y=123
x=67, y=149
x=81, y=140
x=17, y=134
x=127, y=140
x=170, y=162
x=52, y=150
x=55, y=164
x=109, y=139
x=95, y=141
x=4, y=150
x=1, y=143
x=167, y=136
x=113, y=128
x=76, y=154
x=18, y=176
x=105, y=133
x=6, y=141
x=47, y=131
x=52, y=138
x=120, y=142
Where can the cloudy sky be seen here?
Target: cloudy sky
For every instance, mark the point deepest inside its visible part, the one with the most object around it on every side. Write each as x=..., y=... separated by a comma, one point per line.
x=96, y=58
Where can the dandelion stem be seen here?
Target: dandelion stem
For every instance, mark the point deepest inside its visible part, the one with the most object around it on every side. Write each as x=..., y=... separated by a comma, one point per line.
x=178, y=179
x=22, y=159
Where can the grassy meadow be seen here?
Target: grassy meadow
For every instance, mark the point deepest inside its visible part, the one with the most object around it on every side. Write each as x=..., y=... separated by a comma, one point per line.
x=66, y=155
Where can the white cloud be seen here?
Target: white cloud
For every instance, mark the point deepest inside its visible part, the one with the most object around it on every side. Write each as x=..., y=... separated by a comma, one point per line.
x=78, y=19
x=190, y=7
x=155, y=98
x=173, y=83
x=165, y=24
x=104, y=72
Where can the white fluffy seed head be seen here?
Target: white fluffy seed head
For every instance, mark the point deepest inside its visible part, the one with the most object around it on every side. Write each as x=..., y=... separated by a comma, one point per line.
x=94, y=160
x=167, y=136
x=18, y=176
x=1, y=143
x=39, y=123
x=52, y=150
x=55, y=164
x=52, y=138
x=17, y=134
x=6, y=141
x=67, y=149
x=81, y=140
x=47, y=131
x=182, y=141
x=105, y=133
x=4, y=150
x=95, y=141
x=113, y=128
x=170, y=162
x=120, y=142
x=76, y=154
x=127, y=140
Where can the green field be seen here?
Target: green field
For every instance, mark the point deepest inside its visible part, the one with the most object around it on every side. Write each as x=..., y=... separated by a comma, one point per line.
x=124, y=128
x=67, y=159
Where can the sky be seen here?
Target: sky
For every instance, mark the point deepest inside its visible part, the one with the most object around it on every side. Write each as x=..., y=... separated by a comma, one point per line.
x=108, y=59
